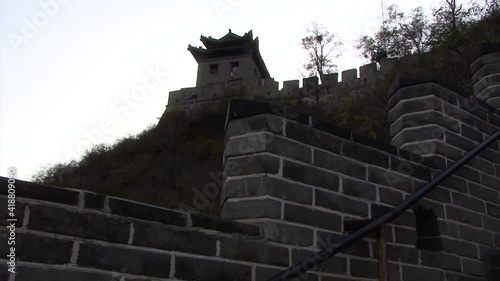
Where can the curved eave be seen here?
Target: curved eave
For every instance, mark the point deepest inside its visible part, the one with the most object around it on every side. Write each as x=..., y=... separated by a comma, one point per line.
x=229, y=40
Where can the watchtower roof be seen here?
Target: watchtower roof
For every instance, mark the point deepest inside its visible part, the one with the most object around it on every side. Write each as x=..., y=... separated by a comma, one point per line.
x=230, y=45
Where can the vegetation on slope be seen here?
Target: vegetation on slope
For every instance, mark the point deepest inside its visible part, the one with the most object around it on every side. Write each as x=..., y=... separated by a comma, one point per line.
x=171, y=163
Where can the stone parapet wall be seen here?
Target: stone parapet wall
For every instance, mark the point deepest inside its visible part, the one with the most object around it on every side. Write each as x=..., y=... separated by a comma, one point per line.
x=66, y=234
x=486, y=74
x=303, y=181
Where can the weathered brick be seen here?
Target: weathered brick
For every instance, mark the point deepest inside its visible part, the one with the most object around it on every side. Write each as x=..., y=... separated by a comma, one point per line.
x=339, y=164
x=359, y=189
x=371, y=142
x=410, y=169
x=360, y=248
x=493, y=210
x=468, y=202
x=115, y=258
x=147, y=212
x=313, y=217
x=390, y=196
x=472, y=134
x=28, y=273
x=94, y=201
x=486, y=127
x=253, y=164
x=459, y=142
x=210, y=270
x=251, y=251
x=450, y=276
x=436, y=148
x=440, y=260
x=258, y=186
x=42, y=192
x=340, y=203
x=491, y=155
x=491, y=224
x=467, y=173
x=331, y=129
x=163, y=237
x=405, y=236
x=86, y=225
x=491, y=181
x=447, y=228
x=310, y=175
x=418, y=134
x=455, y=183
x=463, y=215
x=265, y=273
x=313, y=137
x=390, y=179
x=267, y=142
x=220, y=224
x=476, y=235
x=400, y=253
x=364, y=268
x=462, y=116
x=34, y=248
x=259, y=123
x=411, y=273
x=365, y=154
x=253, y=208
x=482, y=165
x=458, y=247
x=438, y=193
x=334, y=264
x=425, y=118
x=473, y=267
x=287, y=234
x=484, y=193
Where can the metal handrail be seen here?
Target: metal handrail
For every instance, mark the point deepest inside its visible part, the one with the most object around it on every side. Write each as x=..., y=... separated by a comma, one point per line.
x=319, y=257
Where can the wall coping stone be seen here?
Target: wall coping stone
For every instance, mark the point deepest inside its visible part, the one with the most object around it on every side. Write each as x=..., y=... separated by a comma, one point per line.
x=409, y=79
x=241, y=108
x=71, y=198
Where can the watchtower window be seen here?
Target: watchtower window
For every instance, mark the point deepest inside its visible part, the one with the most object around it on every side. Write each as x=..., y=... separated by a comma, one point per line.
x=214, y=68
x=235, y=66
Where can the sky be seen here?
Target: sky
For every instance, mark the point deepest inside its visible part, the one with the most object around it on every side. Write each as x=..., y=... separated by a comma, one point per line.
x=74, y=73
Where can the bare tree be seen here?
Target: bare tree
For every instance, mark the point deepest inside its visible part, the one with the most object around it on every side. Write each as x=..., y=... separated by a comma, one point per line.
x=321, y=46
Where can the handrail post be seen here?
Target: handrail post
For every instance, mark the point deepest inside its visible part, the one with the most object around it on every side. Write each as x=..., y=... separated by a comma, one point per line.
x=382, y=254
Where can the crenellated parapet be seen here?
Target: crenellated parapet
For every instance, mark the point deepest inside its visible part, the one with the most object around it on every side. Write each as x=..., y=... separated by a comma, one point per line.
x=350, y=81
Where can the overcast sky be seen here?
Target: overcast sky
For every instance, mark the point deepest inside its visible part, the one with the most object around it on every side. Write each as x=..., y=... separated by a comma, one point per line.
x=74, y=72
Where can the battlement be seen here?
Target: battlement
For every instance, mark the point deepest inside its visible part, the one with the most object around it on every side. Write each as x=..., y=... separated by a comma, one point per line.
x=350, y=80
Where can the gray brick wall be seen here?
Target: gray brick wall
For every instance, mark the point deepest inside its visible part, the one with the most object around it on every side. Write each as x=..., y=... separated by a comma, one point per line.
x=341, y=176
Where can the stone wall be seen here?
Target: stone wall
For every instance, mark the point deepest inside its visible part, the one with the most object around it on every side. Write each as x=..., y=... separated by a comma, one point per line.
x=348, y=81
x=303, y=181
x=486, y=75
x=66, y=234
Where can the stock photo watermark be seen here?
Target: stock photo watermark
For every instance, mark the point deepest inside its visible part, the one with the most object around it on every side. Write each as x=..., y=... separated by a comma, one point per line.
x=222, y=7
x=122, y=106
x=48, y=9
x=11, y=219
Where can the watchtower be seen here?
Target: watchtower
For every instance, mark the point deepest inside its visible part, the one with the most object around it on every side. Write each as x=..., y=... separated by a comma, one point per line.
x=231, y=60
